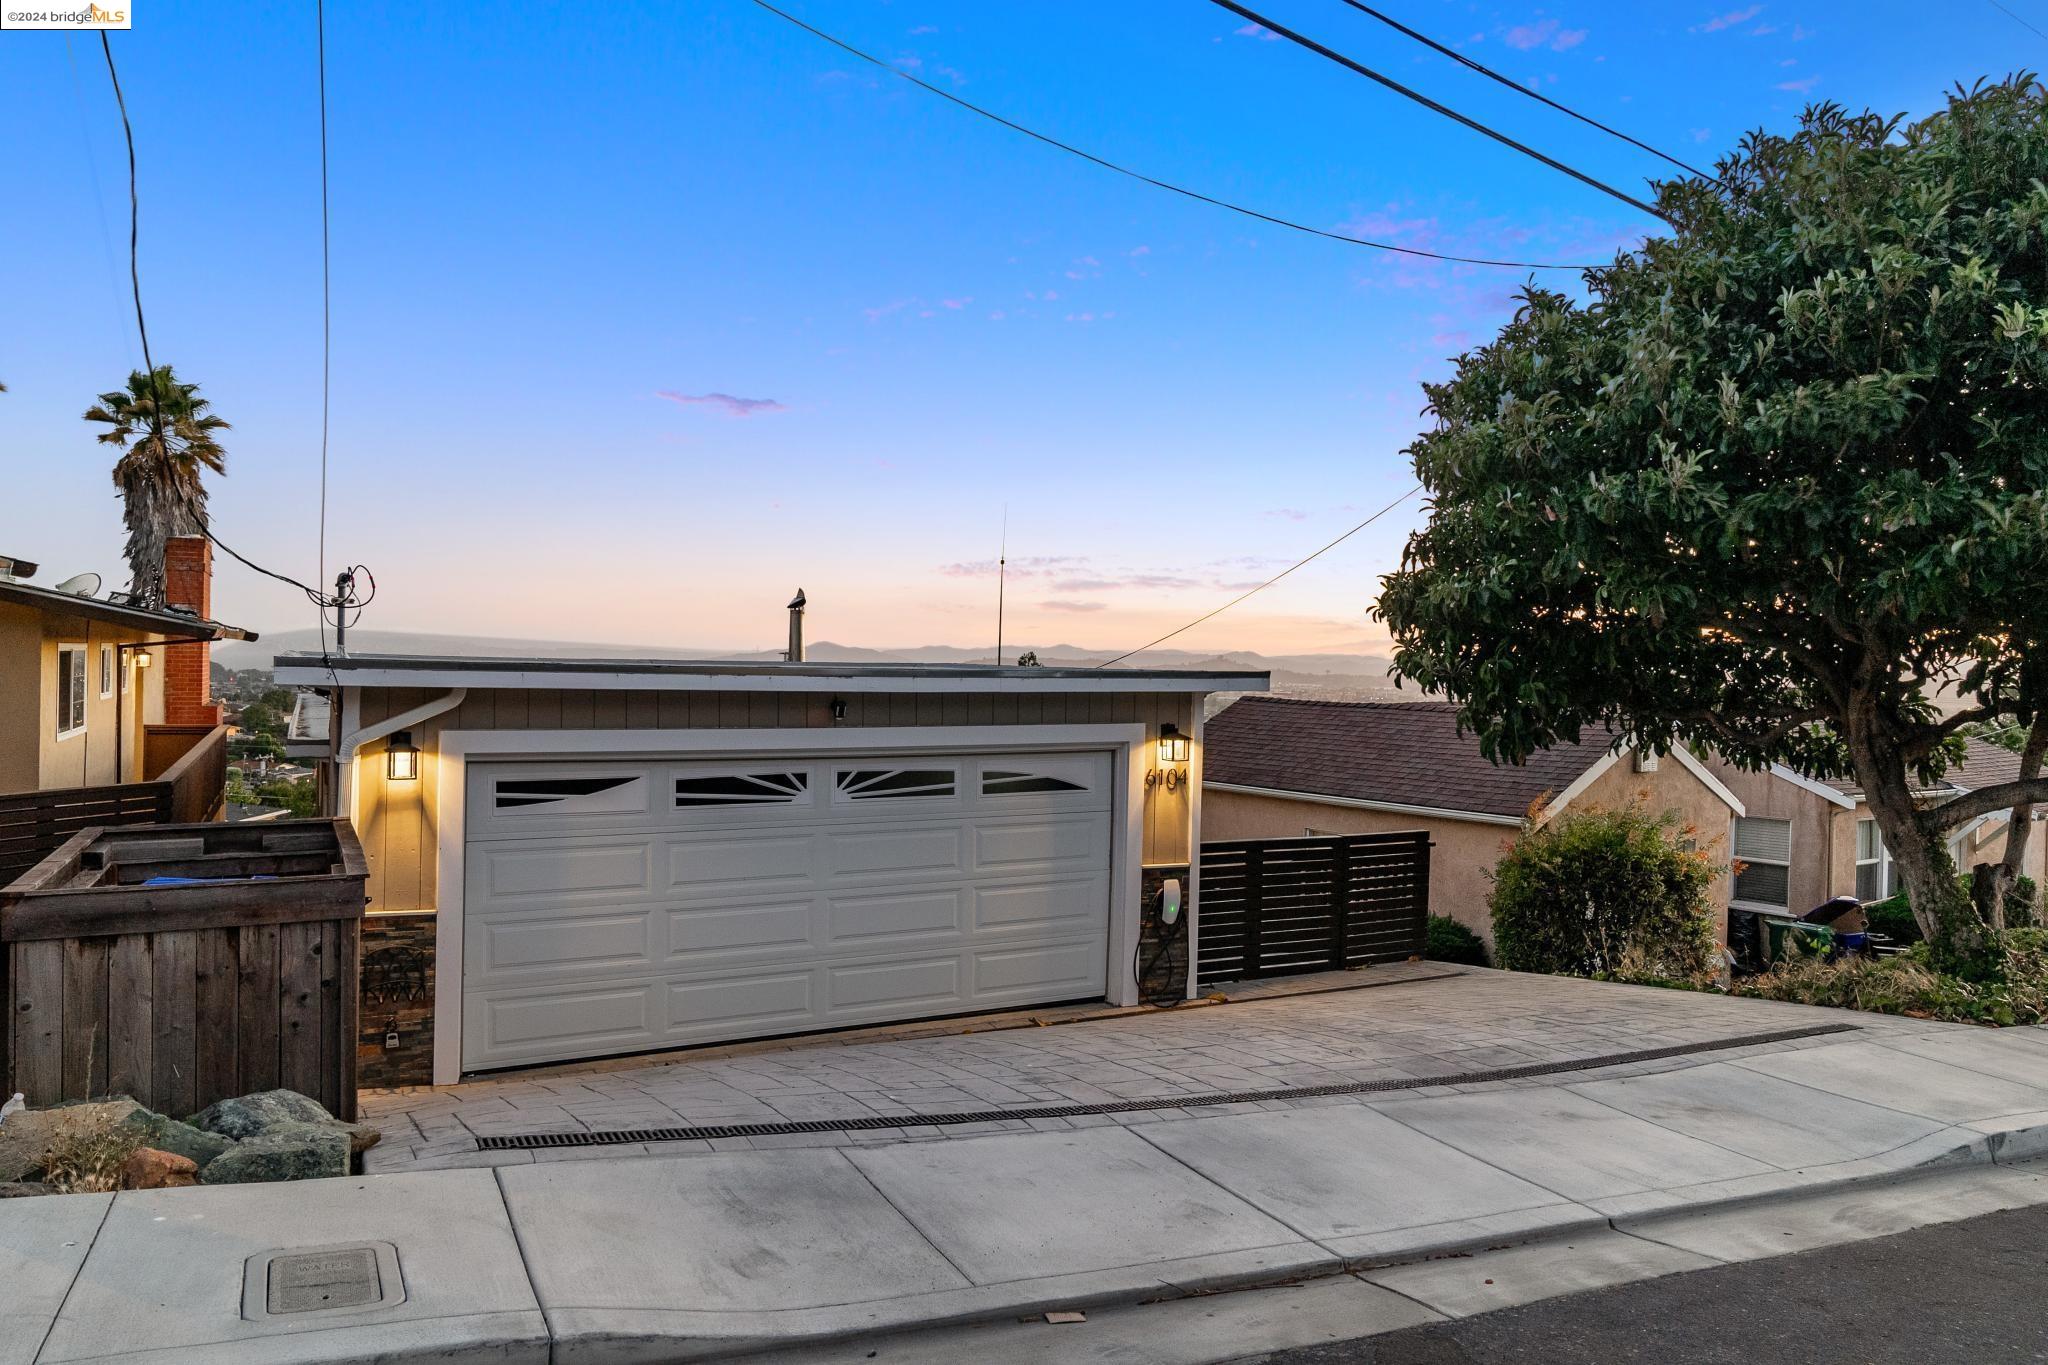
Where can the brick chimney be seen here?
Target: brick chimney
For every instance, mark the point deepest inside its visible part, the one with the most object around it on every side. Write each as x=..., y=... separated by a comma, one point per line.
x=188, y=681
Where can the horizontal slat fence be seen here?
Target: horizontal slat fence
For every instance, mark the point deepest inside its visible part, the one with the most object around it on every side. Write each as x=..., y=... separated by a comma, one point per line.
x=191, y=767
x=1274, y=907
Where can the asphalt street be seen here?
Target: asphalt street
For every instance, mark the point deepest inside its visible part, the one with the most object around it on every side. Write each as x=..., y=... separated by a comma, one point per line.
x=1970, y=1293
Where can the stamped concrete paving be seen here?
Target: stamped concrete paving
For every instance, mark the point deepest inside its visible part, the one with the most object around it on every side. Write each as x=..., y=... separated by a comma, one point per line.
x=1473, y=1021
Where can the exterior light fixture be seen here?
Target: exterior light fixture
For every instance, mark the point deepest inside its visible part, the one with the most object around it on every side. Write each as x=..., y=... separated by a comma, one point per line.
x=1173, y=745
x=402, y=759
x=143, y=659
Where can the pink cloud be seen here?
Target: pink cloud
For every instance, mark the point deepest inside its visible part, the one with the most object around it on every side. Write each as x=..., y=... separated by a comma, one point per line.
x=1729, y=20
x=723, y=402
x=955, y=303
x=1259, y=31
x=923, y=29
x=1543, y=33
x=1801, y=86
x=1074, y=606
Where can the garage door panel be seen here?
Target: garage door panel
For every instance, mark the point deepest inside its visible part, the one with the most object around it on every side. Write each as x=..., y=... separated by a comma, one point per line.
x=1071, y=905
x=566, y=945
x=774, y=924
x=1076, y=966
x=763, y=1003
x=615, y=1016
x=727, y=864
x=756, y=897
x=558, y=870
x=895, y=852
x=909, y=985
x=1047, y=845
x=858, y=922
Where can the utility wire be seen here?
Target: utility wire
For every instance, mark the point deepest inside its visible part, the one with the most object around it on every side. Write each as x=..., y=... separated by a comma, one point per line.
x=134, y=231
x=1140, y=176
x=1268, y=583
x=1390, y=83
x=326, y=305
x=1522, y=89
x=2017, y=19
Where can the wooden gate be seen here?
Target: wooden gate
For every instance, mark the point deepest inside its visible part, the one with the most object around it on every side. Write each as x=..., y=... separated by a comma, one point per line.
x=1271, y=907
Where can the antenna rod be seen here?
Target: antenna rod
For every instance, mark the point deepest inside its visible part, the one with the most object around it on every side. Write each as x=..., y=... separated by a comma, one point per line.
x=1002, y=575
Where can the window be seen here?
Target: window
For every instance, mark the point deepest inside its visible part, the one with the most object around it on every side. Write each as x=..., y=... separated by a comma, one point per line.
x=106, y=671
x=877, y=784
x=997, y=782
x=743, y=789
x=1763, y=852
x=571, y=795
x=1876, y=879
x=70, y=689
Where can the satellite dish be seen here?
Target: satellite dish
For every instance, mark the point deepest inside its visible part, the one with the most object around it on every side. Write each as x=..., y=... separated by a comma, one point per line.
x=81, y=585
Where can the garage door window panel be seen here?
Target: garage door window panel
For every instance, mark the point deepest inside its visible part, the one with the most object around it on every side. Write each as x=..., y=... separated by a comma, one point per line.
x=897, y=784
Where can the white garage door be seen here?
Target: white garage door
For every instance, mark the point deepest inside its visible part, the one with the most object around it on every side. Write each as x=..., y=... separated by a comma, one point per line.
x=621, y=906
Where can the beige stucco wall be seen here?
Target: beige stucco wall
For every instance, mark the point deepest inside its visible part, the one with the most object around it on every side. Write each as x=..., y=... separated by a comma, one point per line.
x=32, y=757
x=398, y=822
x=1464, y=852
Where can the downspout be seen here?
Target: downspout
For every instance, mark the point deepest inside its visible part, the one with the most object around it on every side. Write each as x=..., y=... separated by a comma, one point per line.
x=345, y=756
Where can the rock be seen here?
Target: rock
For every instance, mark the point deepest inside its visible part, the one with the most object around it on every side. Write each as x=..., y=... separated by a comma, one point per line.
x=149, y=1169
x=248, y=1115
x=253, y=1115
x=168, y=1135
x=28, y=1136
x=24, y=1189
x=286, y=1151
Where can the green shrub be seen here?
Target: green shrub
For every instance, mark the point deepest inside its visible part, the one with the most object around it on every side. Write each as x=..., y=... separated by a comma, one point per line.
x=1446, y=940
x=2013, y=991
x=1605, y=893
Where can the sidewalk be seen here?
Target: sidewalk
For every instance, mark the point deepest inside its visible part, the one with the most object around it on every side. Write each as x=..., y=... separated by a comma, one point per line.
x=707, y=1256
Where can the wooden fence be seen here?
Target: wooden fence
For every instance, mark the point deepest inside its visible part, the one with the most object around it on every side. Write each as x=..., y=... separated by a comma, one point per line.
x=180, y=995
x=187, y=789
x=1273, y=907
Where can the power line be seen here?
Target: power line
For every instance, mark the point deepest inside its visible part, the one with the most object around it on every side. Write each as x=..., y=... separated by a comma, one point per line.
x=326, y=306
x=1390, y=83
x=1140, y=176
x=134, y=232
x=1522, y=89
x=1268, y=583
x=2017, y=19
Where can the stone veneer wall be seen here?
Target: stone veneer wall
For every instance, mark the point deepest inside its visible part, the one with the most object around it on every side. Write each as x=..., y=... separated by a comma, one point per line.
x=1170, y=974
x=398, y=993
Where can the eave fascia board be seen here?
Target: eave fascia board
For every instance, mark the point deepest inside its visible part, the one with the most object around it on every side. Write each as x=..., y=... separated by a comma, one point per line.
x=316, y=674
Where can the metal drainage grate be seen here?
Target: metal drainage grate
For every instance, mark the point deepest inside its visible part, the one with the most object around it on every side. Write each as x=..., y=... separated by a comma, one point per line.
x=615, y=1137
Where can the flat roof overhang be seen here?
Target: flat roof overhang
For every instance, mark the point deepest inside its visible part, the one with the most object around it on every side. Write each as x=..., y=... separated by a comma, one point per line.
x=166, y=623
x=717, y=675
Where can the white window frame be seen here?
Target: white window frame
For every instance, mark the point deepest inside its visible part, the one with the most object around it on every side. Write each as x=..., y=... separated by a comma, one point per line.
x=71, y=669
x=1765, y=906
x=1882, y=862
x=107, y=671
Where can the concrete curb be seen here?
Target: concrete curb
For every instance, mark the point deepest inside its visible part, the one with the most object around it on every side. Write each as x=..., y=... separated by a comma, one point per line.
x=646, y=1337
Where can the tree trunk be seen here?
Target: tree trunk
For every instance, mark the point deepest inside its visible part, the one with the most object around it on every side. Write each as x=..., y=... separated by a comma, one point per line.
x=1944, y=913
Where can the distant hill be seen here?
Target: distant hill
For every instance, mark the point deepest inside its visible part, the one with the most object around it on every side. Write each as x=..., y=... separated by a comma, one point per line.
x=1337, y=677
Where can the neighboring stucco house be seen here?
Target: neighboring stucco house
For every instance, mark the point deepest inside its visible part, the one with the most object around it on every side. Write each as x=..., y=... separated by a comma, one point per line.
x=592, y=857
x=1283, y=768
x=1803, y=842
x=85, y=680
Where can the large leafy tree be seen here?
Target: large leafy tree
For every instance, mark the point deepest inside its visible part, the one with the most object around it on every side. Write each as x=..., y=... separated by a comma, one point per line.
x=168, y=437
x=1778, y=486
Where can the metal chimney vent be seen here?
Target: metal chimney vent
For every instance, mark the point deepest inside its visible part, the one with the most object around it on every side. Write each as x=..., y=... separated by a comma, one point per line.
x=795, y=652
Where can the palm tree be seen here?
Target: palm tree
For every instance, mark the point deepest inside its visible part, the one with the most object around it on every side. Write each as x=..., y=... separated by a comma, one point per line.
x=166, y=434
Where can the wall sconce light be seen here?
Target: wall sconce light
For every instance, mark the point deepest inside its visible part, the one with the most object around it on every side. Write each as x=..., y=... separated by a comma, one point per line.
x=143, y=659
x=838, y=709
x=402, y=759
x=1173, y=745
x=1173, y=751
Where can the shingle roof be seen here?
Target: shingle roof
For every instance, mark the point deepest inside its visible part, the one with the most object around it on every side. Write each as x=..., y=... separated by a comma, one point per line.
x=1404, y=753
x=1983, y=765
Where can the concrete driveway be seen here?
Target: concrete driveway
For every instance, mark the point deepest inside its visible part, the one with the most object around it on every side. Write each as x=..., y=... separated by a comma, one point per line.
x=1450, y=1025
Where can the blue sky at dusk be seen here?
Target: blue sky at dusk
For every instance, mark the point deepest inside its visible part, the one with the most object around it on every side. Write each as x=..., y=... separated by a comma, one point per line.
x=646, y=314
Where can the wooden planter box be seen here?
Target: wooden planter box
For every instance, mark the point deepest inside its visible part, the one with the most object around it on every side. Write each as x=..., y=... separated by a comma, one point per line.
x=181, y=995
